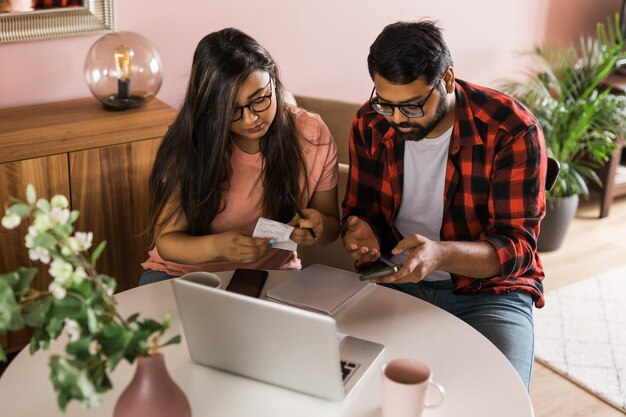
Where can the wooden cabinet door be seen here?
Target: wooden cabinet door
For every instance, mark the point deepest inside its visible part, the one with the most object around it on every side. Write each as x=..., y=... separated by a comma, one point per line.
x=50, y=177
x=110, y=189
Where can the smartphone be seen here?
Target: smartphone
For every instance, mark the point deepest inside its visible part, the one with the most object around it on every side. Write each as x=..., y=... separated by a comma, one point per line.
x=247, y=282
x=383, y=272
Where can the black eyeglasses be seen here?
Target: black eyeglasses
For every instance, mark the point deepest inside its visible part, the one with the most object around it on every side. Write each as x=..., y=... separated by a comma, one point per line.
x=409, y=110
x=258, y=105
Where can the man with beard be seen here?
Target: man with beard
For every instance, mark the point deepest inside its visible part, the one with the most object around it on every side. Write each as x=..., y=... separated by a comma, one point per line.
x=447, y=180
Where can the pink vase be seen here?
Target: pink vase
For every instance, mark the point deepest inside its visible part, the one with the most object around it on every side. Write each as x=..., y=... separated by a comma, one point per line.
x=152, y=392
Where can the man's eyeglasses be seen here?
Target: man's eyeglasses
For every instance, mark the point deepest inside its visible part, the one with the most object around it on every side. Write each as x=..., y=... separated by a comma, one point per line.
x=409, y=110
x=258, y=105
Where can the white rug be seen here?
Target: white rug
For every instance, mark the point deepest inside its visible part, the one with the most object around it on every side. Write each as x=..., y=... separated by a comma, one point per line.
x=581, y=334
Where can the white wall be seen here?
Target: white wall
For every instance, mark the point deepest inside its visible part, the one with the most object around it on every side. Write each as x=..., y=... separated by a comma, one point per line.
x=321, y=46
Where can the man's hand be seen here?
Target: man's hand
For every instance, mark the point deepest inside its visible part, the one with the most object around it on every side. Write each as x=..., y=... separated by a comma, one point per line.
x=425, y=257
x=360, y=241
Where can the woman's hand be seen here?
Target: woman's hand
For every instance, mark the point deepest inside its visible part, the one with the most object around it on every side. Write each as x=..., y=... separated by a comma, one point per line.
x=313, y=220
x=239, y=248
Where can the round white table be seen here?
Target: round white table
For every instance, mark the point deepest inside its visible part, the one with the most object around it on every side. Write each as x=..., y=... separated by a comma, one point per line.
x=478, y=379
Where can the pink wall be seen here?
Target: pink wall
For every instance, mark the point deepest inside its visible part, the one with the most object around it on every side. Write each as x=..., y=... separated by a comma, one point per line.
x=321, y=46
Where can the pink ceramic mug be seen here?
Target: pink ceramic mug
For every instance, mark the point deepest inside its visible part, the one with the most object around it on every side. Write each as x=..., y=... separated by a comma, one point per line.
x=405, y=386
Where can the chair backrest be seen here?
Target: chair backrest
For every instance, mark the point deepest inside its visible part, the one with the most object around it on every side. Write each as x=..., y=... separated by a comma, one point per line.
x=552, y=172
x=332, y=254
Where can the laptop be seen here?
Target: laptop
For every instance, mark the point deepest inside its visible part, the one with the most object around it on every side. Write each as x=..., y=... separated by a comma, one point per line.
x=271, y=342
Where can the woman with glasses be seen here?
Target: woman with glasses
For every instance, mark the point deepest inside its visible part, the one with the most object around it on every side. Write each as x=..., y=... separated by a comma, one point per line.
x=237, y=152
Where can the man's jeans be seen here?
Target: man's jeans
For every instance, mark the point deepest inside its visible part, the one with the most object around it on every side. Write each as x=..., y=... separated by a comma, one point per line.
x=505, y=319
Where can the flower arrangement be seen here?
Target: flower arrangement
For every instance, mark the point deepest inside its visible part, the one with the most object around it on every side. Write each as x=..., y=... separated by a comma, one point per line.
x=79, y=303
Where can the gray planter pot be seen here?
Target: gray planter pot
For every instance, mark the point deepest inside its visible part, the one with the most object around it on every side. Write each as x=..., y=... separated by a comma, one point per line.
x=559, y=214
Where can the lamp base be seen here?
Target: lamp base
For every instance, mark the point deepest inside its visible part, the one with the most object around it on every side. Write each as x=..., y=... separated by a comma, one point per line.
x=114, y=102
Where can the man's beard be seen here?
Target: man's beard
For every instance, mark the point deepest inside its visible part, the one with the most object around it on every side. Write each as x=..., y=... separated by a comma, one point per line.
x=419, y=131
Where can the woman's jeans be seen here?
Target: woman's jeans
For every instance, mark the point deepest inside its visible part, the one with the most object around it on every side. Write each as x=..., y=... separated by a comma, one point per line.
x=505, y=319
x=149, y=276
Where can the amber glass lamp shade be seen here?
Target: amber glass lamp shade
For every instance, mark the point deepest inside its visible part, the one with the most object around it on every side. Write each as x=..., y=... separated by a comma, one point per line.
x=123, y=70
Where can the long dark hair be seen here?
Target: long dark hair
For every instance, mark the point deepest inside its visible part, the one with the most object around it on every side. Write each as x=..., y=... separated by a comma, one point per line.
x=192, y=166
x=405, y=51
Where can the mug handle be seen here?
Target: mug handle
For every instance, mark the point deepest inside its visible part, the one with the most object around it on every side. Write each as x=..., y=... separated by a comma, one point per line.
x=441, y=392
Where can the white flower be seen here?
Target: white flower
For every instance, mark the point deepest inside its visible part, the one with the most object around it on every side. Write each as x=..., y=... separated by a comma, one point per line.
x=39, y=254
x=59, y=201
x=29, y=241
x=61, y=271
x=11, y=221
x=94, y=347
x=73, y=329
x=57, y=290
x=80, y=242
x=58, y=215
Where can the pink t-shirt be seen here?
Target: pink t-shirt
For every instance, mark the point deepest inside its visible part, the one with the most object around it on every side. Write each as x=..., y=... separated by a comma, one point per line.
x=243, y=199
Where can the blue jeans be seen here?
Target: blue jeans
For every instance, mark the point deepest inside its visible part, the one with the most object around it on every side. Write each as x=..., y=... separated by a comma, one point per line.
x=505, y=319
x=149, y=276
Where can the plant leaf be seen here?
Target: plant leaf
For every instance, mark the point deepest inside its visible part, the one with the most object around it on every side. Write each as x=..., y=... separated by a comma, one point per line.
x=46, y=240
x=35, y=314
x=9, y=308
x=174, y=340
x=20, y=209
x=31, y=196
x=26, y=276
x=97, y=252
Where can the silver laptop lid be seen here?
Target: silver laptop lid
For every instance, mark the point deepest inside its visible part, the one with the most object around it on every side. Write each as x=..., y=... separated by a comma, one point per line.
x=259, y=339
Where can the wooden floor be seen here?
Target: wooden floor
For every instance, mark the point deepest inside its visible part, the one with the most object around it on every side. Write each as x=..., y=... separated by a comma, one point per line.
x=591, y=246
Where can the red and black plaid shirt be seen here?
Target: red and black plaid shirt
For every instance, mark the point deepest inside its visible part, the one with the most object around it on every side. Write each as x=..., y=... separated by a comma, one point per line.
x=494, y=187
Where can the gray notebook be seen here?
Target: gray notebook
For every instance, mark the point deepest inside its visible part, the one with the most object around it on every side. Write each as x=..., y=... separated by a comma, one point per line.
x=321, y=288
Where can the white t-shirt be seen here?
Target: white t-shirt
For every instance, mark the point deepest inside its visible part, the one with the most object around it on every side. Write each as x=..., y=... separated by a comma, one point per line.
x=421, y=208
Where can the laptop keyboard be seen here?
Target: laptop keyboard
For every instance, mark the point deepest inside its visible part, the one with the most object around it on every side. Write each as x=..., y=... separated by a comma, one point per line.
x=348, y=369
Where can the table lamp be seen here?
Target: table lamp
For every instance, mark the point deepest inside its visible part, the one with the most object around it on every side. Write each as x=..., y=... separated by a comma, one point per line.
x=123, y=70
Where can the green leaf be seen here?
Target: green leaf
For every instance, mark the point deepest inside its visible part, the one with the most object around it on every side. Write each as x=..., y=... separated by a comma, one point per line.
x=73, y=216
x=25, y=278
x=11, y=278
x=114, y=340
x=31, y=196
x=20, y=209
x=174, y=340
x=79, y=348
x=3, y=356
x=132, y=318
x=46, y=240
x=62, y=231
x=9, y=308
x=70, y=381
x=39, y=340
x=97, y=252
x=35, y=314
x=92, y=320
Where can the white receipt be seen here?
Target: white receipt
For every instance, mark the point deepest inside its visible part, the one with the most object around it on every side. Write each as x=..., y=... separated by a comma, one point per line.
x=276, y=230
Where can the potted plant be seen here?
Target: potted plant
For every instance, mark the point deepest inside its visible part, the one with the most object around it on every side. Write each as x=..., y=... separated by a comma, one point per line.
x=80, y=305
x=579, y=116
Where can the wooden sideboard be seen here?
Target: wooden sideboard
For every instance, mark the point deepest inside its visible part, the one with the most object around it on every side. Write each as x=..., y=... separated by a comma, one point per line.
x=101, y=161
